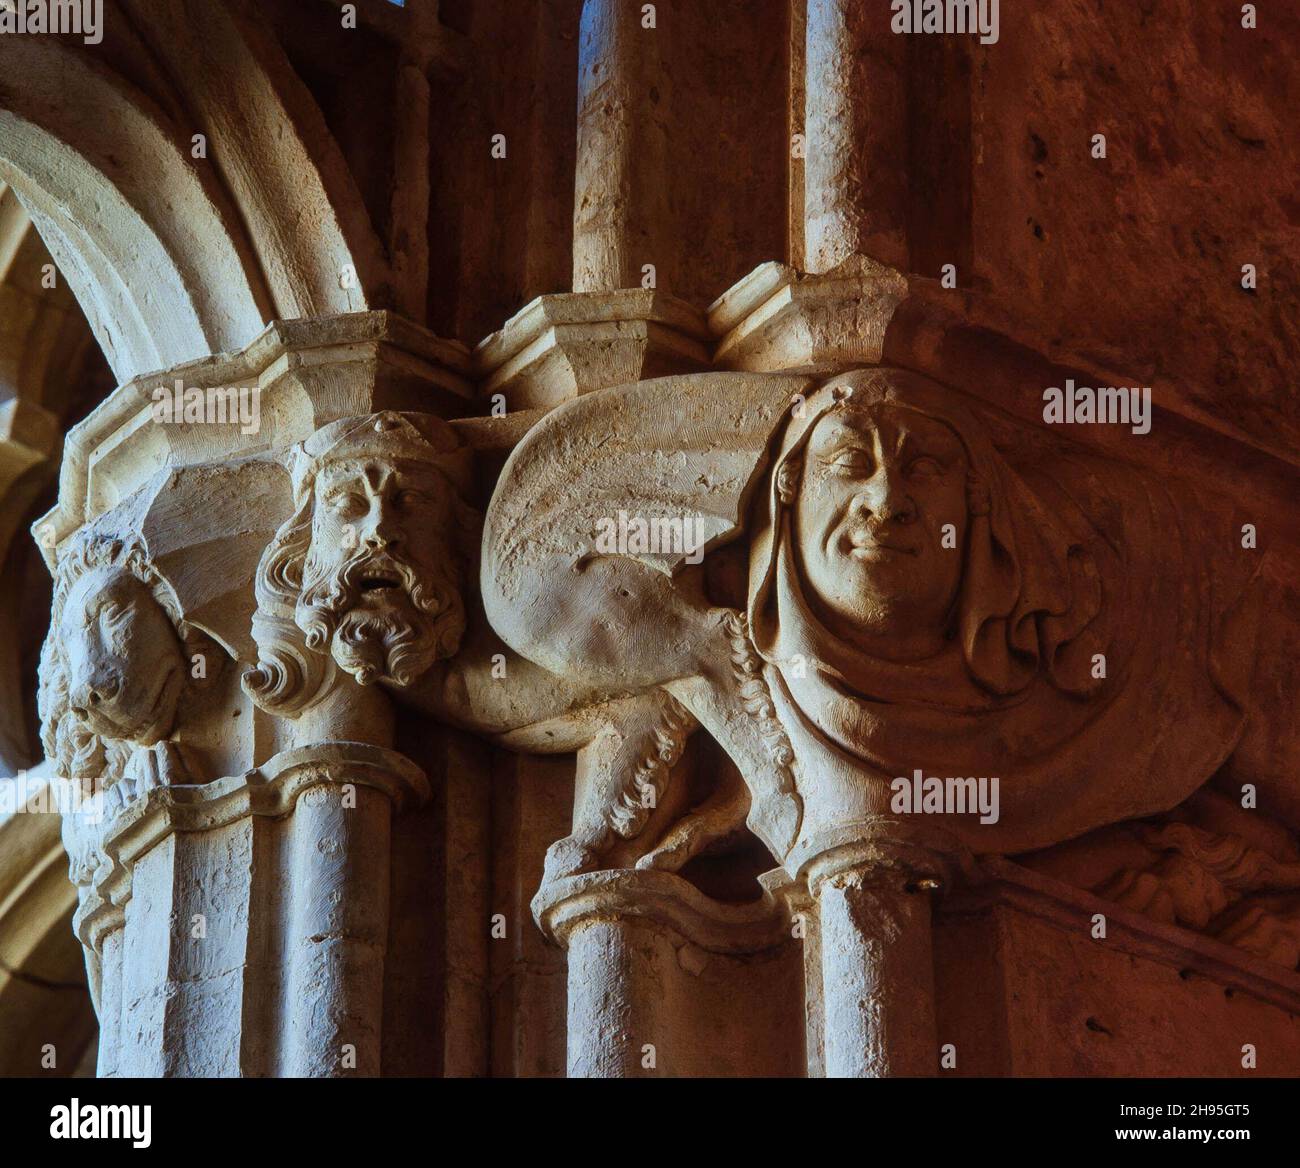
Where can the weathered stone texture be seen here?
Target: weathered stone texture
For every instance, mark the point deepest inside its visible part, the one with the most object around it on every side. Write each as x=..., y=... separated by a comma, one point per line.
x=631, y=500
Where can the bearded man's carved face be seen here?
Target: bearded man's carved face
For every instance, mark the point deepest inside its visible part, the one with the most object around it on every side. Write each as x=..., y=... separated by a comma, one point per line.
x=379, y=587
x=878, y=485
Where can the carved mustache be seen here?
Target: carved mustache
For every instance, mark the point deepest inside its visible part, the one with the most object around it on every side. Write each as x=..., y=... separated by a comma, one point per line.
x=332, y=594
x=377, y=571
x=333, y=597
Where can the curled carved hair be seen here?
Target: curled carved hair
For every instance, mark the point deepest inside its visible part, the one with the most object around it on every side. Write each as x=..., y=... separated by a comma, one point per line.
x=293, y=628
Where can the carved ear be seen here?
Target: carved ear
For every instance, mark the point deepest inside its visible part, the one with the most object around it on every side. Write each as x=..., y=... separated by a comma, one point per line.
x=787, y=480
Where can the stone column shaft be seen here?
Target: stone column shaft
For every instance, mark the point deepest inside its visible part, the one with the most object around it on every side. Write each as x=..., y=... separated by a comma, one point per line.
x=877, y=970
x=337, y=932
x=621, y=208
x=614, y=997
x=855, y=170
x=630, y=934
x=242, y=925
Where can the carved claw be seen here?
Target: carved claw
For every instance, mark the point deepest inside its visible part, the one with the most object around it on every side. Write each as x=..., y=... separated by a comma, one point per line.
x=734, y=704
x=693, y=834
x=160, y=765
x=116, y=797
x=623, y=772
x=168, y=768
x=568, y=857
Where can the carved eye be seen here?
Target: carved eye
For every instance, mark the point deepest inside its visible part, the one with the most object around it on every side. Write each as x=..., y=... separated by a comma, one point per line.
x=852, y=460
x=112, y=613
x=347, y=503
x=409, y=498
x=924, y=467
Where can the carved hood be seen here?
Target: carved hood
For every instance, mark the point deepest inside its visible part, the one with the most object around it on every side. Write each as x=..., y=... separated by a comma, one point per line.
x=1067, y=563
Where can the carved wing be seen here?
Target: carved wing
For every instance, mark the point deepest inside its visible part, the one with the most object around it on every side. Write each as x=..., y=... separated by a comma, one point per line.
x=676, y=448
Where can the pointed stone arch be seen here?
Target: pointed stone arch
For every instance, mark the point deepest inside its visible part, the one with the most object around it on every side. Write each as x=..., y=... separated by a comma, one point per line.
x=148, y=247
x=174, y=257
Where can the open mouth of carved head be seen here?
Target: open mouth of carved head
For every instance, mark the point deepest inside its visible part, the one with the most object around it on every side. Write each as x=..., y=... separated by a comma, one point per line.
x=379, y=579
x=380, y=618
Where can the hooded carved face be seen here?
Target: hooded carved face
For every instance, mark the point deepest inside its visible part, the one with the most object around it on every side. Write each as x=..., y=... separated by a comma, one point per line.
x=1072, y=633
x=852, y=569
x=377, y=591
x=877, y=487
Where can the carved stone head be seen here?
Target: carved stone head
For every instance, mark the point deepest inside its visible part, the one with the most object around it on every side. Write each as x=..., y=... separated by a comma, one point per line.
x=369, y=570
x=896, y=533
x=113, y=667
x=879, y=501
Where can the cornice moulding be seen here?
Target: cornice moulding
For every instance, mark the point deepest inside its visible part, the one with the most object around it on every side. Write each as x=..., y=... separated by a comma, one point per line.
x=308, y=372
x=1073, y=909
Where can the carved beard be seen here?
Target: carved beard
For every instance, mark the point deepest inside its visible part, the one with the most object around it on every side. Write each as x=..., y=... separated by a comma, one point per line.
x=393, y=634
x=78, y=748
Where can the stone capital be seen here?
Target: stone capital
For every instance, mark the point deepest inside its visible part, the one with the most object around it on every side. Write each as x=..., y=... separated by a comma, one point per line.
x=778, y=319
x=662, y=900
x=568, y=344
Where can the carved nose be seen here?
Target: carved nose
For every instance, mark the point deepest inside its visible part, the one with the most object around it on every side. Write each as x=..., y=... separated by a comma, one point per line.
x=380, y=537
x=95, y=694
x=887, y=500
